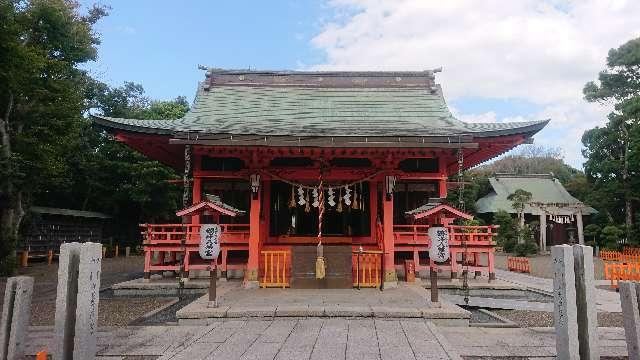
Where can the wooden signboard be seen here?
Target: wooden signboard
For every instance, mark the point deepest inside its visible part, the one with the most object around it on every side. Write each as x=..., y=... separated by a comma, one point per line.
x=210, y=241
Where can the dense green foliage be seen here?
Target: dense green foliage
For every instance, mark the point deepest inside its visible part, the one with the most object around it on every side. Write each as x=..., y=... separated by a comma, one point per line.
x=613, y=150
x=42, y=44
x=49, y=153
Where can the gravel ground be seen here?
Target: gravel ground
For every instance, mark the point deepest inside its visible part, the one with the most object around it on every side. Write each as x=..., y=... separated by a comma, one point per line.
x=541, y=265
x=112, y=311
x=526, y=318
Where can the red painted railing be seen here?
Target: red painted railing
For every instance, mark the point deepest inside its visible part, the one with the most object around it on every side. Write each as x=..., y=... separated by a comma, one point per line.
x=164, y=243
x=472, y=242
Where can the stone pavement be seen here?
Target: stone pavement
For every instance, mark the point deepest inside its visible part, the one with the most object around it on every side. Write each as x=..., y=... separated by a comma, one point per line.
x=405, y=301
x=325, y=338
x=606, y=300
x=313, y=338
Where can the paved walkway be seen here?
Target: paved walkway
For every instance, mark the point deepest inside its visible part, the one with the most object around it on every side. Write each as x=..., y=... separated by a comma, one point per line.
x=405, y=301
x=326, y=338
x=313, y=338
x=606, y=300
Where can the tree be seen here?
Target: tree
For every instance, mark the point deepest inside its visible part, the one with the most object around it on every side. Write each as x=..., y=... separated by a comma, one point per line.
x=42, y=43
x=592, y=231
x=108, y=176
x=612, y=152
x=506, y=230
x=519, y=199
x=532, y=159
x=611, y=236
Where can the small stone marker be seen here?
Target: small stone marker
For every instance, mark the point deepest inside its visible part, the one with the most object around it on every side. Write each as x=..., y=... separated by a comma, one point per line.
x=629, y=292
x=16, y=314
x=76, y=319
x=127, y=251
x=574, y=302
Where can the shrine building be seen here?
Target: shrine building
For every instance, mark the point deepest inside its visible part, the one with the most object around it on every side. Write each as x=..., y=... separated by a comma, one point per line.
x=270, y=155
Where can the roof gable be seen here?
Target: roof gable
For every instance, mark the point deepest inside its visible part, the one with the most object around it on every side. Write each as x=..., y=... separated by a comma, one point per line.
x=319, y=104
x=544, y=189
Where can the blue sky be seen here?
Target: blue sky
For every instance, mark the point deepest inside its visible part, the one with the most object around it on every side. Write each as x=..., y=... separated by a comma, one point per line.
x=159, y=44
x=511, y=61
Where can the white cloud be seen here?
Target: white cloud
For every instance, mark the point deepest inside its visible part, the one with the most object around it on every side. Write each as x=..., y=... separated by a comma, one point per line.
x=540, y=51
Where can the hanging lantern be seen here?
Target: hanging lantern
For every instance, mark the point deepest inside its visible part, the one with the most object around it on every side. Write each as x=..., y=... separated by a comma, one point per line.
x=439, y=249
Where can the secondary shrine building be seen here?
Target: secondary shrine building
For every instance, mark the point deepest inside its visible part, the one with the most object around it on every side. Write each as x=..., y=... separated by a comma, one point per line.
x=265, y=153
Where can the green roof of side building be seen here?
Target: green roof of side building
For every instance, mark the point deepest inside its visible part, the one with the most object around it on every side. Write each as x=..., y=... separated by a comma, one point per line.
x=319, y=104
x=544, y=189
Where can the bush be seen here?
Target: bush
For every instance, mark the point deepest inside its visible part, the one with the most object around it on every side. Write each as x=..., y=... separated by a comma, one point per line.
x=524, y=249
x=507, y=231
x=592, y=231
x=611, y=235
x=528, y=245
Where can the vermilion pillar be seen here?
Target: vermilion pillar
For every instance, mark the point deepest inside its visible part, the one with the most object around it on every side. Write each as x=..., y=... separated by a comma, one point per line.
x=251, y=274
x=373, y=208
x=390, y=277
x=442, y=187
x=442, y=183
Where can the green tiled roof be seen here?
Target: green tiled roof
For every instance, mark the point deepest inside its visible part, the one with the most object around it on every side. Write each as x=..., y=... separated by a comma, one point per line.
x=319, y=104
x=543, y=188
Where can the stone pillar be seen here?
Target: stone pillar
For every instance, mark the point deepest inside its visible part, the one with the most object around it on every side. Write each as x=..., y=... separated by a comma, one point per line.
x=127, y=251
x=390, y=276
x=585, y=302
x=629, y=292
x=543, y=232
x=16, y=314
x=574, y=302
x=580, y=228
x=565, y=311
x=76, y=318
x=251, y=275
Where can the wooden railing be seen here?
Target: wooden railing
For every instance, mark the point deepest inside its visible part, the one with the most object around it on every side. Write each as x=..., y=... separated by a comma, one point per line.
x=166, y=234
x=367, y=270
x=621, y=272
x=472, y=235
x=519, y=264
x=628, y=250
x=275, y=268
x=411, y=234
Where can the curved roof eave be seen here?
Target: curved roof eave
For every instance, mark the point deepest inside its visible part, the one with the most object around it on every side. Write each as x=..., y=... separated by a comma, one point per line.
x=165, y=127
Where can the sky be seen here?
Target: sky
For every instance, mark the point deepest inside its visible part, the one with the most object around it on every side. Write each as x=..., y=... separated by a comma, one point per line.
x=502, y=60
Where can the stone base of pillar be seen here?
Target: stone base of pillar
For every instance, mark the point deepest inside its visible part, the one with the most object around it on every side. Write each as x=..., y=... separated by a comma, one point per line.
x=492, y=276
x=390, y=279
x=251, y=284
x=147, y=275
x=251, y=279
x=454, y=275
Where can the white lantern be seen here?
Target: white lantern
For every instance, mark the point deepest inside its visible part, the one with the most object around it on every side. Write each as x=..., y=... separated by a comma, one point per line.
x=439, y=250
x=210, y=241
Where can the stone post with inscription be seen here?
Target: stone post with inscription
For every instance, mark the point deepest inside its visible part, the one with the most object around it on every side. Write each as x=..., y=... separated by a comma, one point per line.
x=76, y=318
x=629, y=295
x=565, y=312
x=16, y=314
x=574, y=302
